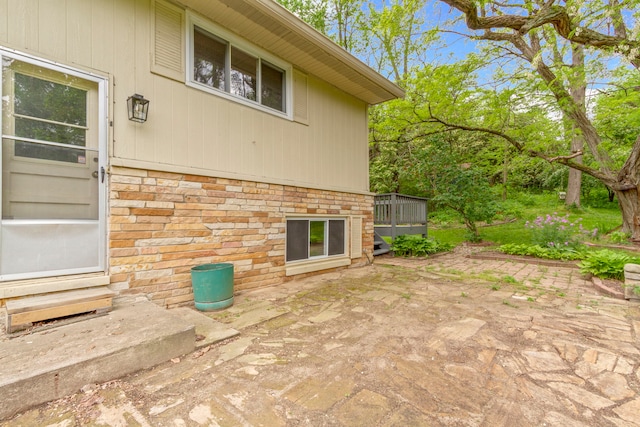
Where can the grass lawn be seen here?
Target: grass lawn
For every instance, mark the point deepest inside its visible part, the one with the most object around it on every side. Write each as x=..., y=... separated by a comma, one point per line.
x=502, y=232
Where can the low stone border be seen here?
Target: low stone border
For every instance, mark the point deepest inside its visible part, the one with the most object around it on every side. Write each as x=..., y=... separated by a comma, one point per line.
x=497, y=256
x=601, y=286
x=607, y=290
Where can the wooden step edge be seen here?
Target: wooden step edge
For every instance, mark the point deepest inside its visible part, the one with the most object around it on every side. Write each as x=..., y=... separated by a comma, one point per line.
x=40, y=302
x=23, y=320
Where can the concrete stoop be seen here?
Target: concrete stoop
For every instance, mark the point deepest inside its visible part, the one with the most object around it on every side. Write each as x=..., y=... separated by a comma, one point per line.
x=136, y=335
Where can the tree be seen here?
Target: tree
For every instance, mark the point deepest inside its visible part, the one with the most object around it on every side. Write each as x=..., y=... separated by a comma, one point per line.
x=461, y=187
x=347, y=20
x=341, y=20
x=411, y=155
x=519, y=29
x=313, y=12
x=397, y=39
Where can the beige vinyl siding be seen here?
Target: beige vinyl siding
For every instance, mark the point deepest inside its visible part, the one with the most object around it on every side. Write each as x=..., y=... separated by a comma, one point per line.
x=301, y=97
x=189, y=130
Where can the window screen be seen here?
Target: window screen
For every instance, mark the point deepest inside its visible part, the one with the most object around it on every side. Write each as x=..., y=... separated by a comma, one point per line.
x=297, y=240
x=336, y=237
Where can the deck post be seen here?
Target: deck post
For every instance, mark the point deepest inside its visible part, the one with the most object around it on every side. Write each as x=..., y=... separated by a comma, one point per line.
x=393, y=216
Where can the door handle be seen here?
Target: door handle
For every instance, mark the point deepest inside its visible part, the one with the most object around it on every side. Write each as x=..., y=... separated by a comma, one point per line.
x=102, y=173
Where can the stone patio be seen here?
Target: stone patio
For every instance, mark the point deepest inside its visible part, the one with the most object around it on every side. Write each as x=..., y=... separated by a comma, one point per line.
x=447, y=340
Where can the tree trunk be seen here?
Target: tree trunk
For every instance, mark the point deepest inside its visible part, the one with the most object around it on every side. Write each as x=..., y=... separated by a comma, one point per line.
x=630, y=208
x=574, y=183
x=578, y=91
x=627, y=189
x=505, y=171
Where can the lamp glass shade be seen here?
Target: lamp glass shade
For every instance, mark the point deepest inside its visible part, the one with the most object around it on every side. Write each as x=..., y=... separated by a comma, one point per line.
x=138, y=108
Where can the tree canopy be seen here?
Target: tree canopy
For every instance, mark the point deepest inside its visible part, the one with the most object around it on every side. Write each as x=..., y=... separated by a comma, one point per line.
x=557, y=81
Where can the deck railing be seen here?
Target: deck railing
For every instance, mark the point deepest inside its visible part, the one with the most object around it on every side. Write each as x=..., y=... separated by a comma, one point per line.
x=396, y=214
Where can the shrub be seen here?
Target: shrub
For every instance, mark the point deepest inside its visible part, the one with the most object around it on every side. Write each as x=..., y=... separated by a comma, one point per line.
x=407, y=245
x=606, y=263
x=603, y=263
x=619, y=237
x=558, y=232
x=546, y=252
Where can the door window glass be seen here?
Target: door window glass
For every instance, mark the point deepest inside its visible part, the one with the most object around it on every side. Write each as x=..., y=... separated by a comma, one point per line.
x=49, y=111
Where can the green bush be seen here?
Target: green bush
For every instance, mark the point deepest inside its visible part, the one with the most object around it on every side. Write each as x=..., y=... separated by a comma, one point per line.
x=558, y=232
x=407, y=245
x=606, y=263
x=619, y=237
x=538, y=251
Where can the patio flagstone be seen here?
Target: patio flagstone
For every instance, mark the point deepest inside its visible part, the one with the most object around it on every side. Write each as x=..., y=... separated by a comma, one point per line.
x=411, y=342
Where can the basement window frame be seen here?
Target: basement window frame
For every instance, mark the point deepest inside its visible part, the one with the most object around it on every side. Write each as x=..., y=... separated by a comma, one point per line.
x=327, y=239
x=232, y=42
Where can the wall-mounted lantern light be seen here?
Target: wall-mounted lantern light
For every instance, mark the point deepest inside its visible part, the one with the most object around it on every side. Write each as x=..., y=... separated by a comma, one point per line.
x=138, y=108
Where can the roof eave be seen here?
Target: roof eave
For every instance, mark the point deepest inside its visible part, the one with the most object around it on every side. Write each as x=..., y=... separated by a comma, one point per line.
x=272, y=27
x=289, y=20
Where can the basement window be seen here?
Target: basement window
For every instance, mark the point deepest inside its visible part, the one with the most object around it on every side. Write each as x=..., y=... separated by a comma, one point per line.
x=315, y=238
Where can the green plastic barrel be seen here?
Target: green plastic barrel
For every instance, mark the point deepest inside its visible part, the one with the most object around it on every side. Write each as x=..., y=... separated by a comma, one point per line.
x=212, y=286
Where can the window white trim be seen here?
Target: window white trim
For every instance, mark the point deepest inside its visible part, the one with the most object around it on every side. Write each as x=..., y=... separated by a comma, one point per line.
x=307, y=266
x=235, y=41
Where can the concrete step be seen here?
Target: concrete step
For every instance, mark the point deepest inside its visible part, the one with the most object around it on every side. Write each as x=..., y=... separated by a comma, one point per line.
x=136, y=335
x=380, y=251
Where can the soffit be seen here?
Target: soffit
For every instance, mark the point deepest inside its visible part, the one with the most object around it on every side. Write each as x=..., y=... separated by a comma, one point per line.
x=270, y=26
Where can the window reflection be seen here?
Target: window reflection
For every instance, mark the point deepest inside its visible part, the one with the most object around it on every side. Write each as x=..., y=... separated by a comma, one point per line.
x=316, y=238
x=243, y=74
x=49, y=111
x=209, y=59
x=272, y=86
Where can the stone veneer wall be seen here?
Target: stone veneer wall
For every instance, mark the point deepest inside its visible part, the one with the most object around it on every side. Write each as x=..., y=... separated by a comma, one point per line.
x=161, y=224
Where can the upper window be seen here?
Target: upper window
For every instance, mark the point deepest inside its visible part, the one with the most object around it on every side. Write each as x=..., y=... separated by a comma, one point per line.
x=229, y=67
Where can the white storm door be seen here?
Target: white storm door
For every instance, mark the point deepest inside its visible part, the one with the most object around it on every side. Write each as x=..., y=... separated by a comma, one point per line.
x=53, y=163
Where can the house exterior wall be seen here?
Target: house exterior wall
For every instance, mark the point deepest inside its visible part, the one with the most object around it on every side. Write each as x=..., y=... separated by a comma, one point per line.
x=189, y=130
x=162, y=224
x=205, y=179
